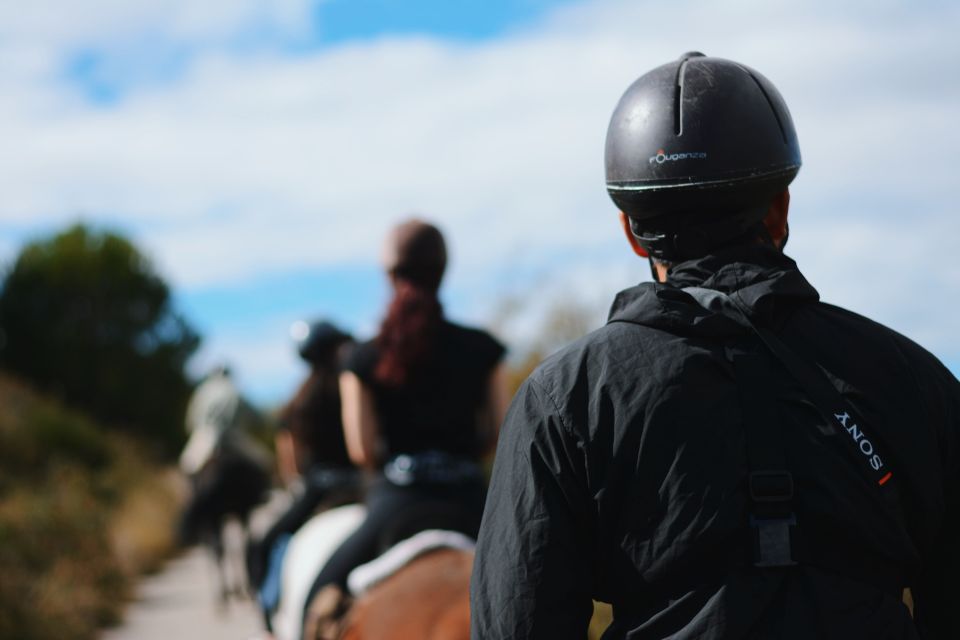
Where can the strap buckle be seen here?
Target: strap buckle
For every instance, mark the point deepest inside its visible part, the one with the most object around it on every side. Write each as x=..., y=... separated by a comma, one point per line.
x=771, y=486
x=772, y=518
x=771, y=541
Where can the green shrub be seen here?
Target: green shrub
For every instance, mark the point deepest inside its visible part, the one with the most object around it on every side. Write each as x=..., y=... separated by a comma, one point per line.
x=71, y=437
x=41, y=435
x=88, y=319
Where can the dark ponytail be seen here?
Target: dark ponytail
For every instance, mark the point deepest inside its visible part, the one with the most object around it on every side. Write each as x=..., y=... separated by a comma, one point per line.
x=416, y=260
x=408, y=333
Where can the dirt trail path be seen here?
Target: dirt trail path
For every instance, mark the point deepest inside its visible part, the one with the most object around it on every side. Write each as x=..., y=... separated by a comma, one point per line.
x=180, y=604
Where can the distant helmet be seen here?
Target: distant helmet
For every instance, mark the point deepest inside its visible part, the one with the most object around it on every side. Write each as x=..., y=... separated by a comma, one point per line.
x=695, y=151
x=317, y=341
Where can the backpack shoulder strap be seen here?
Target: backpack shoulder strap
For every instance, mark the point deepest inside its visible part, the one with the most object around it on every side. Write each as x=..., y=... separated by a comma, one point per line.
x=865, y=449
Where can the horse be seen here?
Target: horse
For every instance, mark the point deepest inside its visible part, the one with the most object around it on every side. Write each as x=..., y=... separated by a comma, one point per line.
x=427, y=571
x=232, y=482
x=308, y=550
x=429, y=598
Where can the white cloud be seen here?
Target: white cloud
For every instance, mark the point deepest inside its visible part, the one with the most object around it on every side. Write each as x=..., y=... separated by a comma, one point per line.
x=54, y=23
x=259, y=161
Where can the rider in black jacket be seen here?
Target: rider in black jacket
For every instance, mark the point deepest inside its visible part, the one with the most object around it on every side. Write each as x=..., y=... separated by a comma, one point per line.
x=728, y=457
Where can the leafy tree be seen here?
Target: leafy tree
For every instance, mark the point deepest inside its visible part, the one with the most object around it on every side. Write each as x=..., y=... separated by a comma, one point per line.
x=85, y=316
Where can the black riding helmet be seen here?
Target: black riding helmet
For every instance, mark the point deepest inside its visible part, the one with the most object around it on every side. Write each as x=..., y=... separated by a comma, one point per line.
x=695, y=151
x=317, y=341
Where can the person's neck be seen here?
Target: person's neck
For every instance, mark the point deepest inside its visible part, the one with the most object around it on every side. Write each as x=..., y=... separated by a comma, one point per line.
x=660, y=270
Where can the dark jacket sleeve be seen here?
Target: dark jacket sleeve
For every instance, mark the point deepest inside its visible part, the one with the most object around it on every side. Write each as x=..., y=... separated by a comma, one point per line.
x=532, y=575
x=938, y=591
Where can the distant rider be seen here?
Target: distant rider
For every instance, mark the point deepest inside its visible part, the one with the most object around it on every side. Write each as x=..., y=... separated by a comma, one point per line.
x=227, y=468
x=422, y=403
x=311, y=453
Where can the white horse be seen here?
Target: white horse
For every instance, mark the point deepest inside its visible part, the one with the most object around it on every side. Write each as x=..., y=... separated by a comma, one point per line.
x=309, y=549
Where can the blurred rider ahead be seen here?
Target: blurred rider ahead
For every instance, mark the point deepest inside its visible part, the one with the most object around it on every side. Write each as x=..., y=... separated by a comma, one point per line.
x=311, y=454
x=422, y=403
x=227, y=468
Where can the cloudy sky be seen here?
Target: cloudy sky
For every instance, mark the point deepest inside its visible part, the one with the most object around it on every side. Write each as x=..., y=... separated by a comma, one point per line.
x=258, y=150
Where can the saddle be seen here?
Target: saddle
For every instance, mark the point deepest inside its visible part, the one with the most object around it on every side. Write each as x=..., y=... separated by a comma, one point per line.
x=427, y=527
x=369, y=575
x=329, y=613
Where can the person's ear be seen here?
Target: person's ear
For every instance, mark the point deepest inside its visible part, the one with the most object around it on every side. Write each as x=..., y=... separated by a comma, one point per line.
x=776, y=219
x=632, y=239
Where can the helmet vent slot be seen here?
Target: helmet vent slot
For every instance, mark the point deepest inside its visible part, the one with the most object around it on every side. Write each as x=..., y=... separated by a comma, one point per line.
x=773, y=108
x=678, y=100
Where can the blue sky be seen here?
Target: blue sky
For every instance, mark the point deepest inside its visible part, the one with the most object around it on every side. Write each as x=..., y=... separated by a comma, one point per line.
x=345, y=20
x=259, y=150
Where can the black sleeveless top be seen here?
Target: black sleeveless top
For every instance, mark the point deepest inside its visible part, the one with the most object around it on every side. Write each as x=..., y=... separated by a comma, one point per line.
x=438, y=410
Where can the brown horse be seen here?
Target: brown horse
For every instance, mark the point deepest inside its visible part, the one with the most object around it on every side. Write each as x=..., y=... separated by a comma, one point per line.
x=427, y=599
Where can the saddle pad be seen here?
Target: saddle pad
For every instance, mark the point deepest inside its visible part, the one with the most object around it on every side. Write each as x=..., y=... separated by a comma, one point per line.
x=366, y=576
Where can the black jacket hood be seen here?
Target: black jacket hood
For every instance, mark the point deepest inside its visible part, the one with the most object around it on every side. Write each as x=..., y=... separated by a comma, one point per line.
x=761, y=280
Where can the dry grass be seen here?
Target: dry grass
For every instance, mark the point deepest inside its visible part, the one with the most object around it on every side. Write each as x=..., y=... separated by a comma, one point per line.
x=60, y=578
x=141, y=529
x=82, y=513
